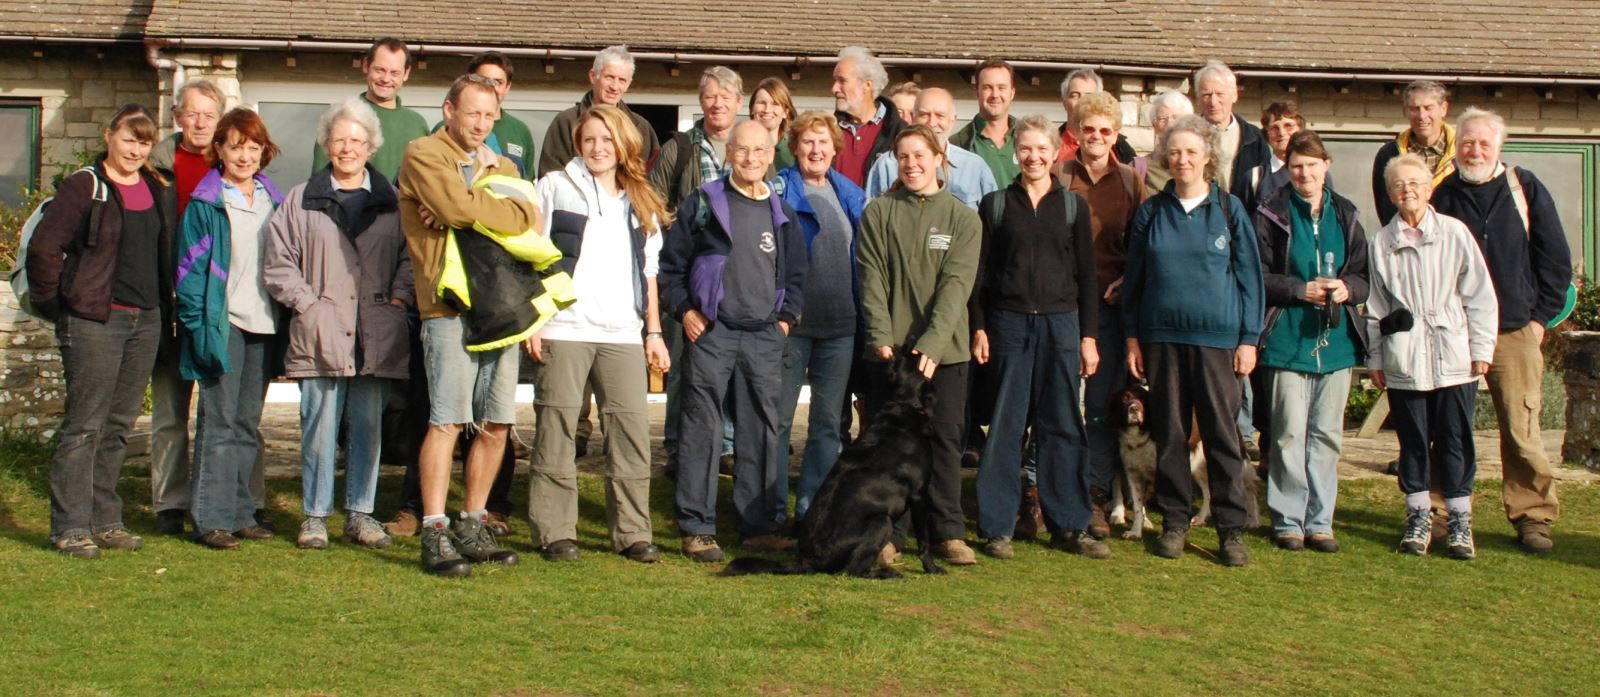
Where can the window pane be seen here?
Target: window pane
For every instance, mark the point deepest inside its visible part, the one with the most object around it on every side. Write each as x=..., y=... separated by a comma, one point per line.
x=17, y=154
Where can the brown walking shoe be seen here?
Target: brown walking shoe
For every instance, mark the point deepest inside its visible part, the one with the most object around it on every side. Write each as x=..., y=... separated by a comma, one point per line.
x=1535, y=538
x=888, y=556
x=404, y=524
x=956, y=552
x=702, y=548
x=1099, y=525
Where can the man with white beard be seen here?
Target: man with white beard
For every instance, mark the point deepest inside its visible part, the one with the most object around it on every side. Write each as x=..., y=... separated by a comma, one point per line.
x=1513, y=218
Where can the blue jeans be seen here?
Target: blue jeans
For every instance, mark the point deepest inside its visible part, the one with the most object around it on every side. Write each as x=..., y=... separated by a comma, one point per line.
x=825, y=365
x=226, y=435
x=1307, y=433
x=1036, y=359
x=324, y=402
x=107, y=364
x=1105, y=458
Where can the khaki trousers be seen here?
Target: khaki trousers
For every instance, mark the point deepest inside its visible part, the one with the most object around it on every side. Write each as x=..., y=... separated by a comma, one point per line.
x=617, y=372
x=1515, y=384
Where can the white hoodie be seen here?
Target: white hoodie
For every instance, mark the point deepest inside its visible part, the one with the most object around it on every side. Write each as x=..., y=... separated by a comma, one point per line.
x=603, y=280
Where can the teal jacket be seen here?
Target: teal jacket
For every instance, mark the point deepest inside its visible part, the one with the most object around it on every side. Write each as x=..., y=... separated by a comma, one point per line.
x=206, y=248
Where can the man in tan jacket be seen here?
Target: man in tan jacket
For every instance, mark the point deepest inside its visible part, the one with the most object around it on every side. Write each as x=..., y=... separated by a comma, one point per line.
x=436, y=195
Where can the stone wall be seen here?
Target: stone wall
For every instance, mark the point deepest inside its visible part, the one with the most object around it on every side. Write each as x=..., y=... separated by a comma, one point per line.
x=79, y=88
x=1582, y=376
x=32, y=384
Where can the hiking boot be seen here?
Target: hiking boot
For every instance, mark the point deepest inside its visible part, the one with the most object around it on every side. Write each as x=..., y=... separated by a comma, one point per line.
x=119, y=539
x=364, y=530
x=78, y=547
x=169, y=522
x=1030, y=517
x=1459, y=541
x=580, y=447
x=1230, y=547
x=253, y=532
x=1099, y=525
x=1289, y=542
x=475, y=542
x=313, y=533
x=767, y=543
x=1418, y=532
x=561, y=550
x=1322, y=542
x=1171, y=542
x=439, y=555
x=497, y=524
x=725, y=464
x=1535, y=539
x=642, y=552
x=702, y=548
x=218, y=539
x=956, y=552
x=970, y=458
x=888, y=556
x=999, y=548
x=1082, y=543
x=404, y=524
x=264, y=521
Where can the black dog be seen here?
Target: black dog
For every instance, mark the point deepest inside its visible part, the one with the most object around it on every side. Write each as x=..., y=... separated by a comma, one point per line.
x=876, y=480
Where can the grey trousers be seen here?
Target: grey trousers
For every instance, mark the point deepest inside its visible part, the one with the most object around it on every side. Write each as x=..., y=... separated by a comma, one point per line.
x=617, y=372
x=107, y=365
x=170, y=396
x=752, y=360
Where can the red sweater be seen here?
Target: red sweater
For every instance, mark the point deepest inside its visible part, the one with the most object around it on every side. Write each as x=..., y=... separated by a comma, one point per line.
x=852, y=159
x=189, y=168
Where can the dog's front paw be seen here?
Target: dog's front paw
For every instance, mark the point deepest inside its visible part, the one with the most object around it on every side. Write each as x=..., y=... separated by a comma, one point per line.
x=1118, y=517
x=935, y=569
x=1132, y=534
x=1199, y=521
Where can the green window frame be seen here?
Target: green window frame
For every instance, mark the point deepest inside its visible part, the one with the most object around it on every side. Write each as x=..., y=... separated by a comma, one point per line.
x=27, y=112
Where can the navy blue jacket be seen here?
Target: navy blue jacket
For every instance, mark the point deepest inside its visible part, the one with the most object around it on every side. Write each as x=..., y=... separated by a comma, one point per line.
x=697, y=247
x=1531, y=269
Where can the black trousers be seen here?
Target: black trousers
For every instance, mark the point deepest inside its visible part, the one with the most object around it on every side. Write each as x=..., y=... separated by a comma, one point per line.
x=1195, y=385
x=949, y=419
x=1439, y=421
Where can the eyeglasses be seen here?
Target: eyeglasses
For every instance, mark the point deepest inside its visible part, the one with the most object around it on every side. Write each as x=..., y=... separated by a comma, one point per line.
x=1414, y=185
x=1104, y=132
x=342, y=143
x=749, y=151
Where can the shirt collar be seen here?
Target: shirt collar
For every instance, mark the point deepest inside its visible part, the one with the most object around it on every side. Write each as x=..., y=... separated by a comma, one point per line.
x=235, y=195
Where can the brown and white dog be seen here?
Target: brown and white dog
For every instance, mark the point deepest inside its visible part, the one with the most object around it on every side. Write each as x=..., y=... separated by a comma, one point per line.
x=1130, y=415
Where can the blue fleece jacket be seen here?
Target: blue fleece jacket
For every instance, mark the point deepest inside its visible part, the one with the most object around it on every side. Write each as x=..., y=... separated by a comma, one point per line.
x=1190, y=279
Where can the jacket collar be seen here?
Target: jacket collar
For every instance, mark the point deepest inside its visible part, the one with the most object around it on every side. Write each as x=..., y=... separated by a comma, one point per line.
x=717, y=194
x=209, y=190
x=319, y=190
x=1431, y=228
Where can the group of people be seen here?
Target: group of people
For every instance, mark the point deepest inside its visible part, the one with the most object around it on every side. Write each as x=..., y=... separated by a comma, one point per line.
x=1035, y=270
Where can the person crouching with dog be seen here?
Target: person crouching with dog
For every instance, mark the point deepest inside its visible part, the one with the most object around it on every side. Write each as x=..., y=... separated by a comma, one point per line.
x=732, y=271
x=1432, y=322
x=1034, y=315
x=918, y=258
x=1192, y=311
x=1314, y=254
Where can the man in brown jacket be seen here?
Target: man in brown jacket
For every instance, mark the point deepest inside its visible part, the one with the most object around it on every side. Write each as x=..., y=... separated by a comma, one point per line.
x=436, y=195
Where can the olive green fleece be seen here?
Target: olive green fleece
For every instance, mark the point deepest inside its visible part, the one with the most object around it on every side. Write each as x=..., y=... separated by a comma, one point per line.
x=918, y=259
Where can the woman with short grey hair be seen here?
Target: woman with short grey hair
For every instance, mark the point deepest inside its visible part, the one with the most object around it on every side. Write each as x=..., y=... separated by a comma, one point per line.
x=1193, y=240
x=336, y=257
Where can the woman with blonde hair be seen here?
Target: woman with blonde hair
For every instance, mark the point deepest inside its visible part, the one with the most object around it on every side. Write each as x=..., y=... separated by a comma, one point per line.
x=100, y=264
x=600, y=211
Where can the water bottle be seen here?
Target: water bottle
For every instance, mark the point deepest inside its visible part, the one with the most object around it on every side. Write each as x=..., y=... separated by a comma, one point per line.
x=1328, y=276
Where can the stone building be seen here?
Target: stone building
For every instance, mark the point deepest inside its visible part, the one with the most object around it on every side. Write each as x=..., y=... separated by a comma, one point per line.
x=64, y=65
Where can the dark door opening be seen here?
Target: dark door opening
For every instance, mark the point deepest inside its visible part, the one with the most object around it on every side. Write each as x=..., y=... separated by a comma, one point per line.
x=662, y=117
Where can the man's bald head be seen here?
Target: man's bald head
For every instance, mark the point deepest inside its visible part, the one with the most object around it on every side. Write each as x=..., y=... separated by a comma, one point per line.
x=936, y=108
x=750, y=152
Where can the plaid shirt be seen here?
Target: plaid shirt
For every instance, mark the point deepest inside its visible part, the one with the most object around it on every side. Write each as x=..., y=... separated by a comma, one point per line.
x=712, y=168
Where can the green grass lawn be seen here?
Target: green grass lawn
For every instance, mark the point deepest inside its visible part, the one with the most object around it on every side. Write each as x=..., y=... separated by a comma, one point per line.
x=178, y=619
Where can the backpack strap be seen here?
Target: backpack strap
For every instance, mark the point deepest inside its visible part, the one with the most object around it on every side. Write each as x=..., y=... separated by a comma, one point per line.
x=685, y=151
x=98, y=194
x=1519, y=199
x=994, y=209
x=1070, y=205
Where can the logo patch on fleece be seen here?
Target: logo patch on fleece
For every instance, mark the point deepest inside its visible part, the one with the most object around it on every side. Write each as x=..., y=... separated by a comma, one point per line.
x=938, y=240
